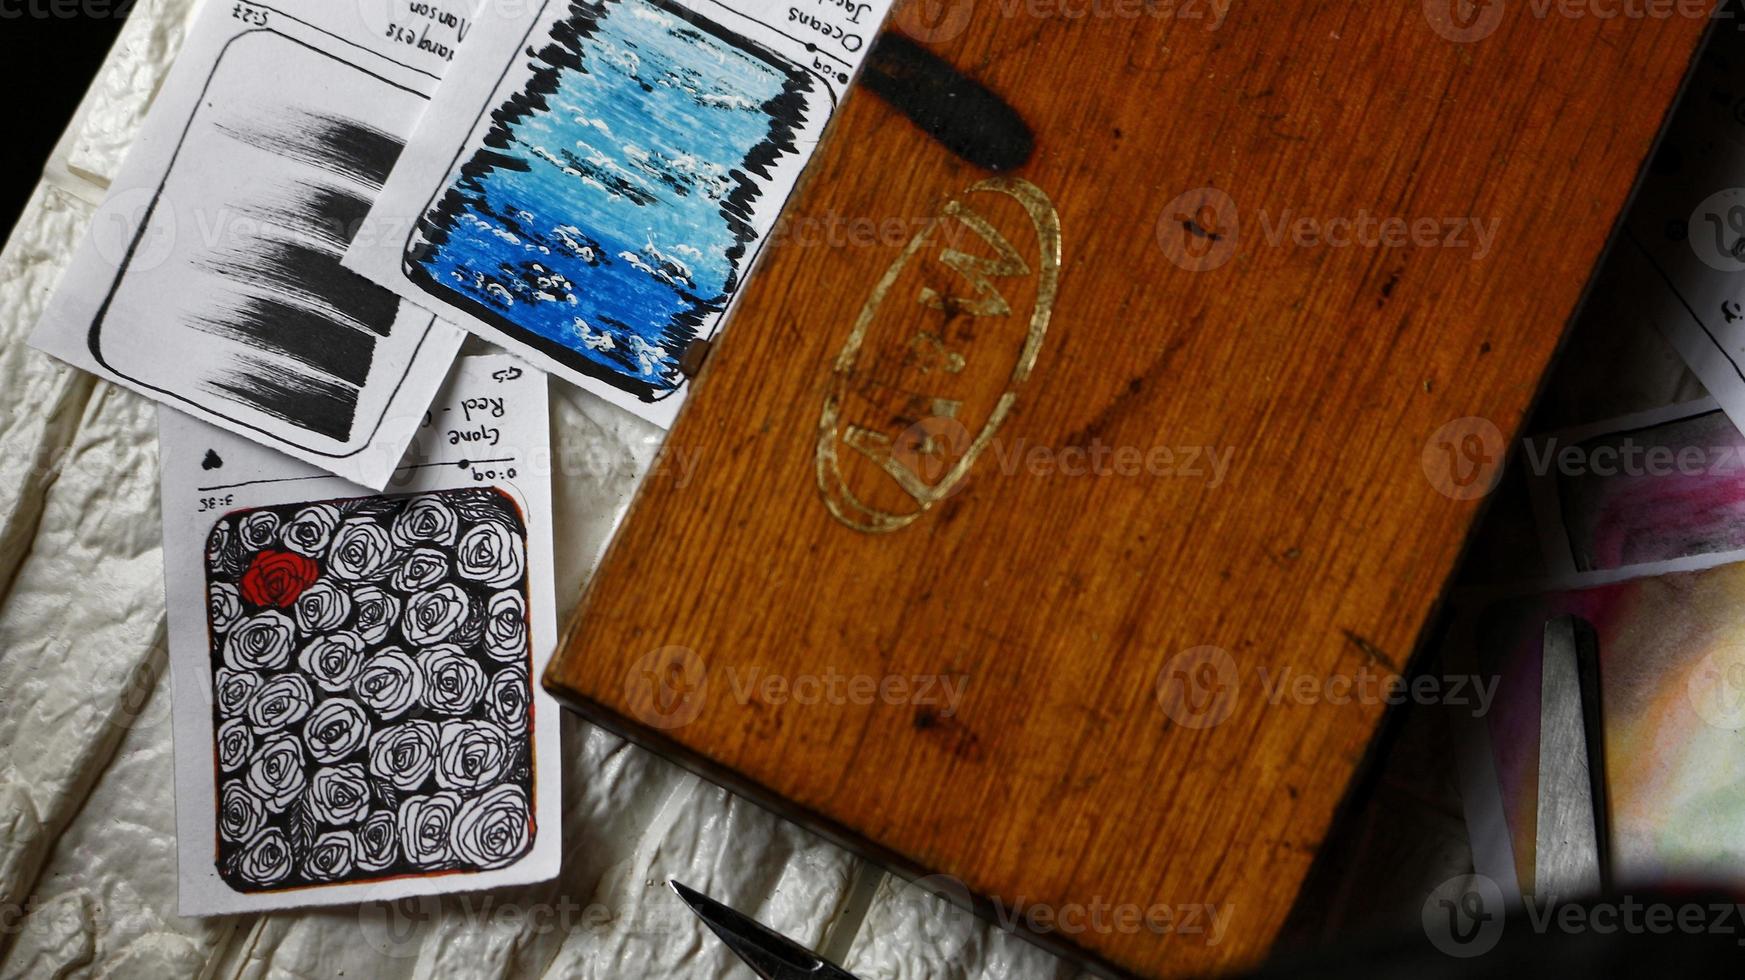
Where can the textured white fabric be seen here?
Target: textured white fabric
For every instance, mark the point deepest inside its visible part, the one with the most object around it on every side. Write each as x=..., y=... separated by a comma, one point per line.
x=87, y=813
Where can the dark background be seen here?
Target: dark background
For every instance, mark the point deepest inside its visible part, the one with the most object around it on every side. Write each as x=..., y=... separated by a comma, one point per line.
x=46, y=63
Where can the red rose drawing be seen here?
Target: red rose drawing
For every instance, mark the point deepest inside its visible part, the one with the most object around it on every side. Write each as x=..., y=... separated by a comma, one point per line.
x=277, y=578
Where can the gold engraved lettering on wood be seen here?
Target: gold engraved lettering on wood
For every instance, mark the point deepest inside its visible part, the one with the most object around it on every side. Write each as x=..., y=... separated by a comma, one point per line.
x=930, y=458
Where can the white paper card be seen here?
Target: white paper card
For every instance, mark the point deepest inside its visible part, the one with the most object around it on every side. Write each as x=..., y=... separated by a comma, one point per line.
x=1684, y=242
x=210, y=278
x=357, y=709
x=596, y=178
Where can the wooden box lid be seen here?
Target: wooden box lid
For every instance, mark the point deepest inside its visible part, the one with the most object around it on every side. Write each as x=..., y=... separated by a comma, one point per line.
x=1120, y=445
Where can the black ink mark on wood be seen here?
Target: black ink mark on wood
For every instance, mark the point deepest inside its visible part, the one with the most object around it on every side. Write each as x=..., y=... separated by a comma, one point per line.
x=1193, y=227
x=964, y=115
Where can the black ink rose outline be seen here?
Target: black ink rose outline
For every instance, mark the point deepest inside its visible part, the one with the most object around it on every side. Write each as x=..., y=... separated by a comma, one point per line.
x=232, y=690
x=331, y=856
x=421, y=569
x=424, y=828
x=281, y=701
x=310, y=531
x=240, y=813
x=433, y=615
x=404, y=755
x=491, y=554
x=492, y=830
x=377, y=612
x=361, y=551
x=322, y=607
x=275, y=772
x=506, y=700
x=258, y=529
x=453, y=681
x=425, y=520
x=378, y=841
x=336, y=728
x=389, y=683
x=266, y=860
x=506, y=626
x=470, y=755
x=260, y=642
x=339, y=795
x=333, y=660
x=235, y=744
x=223, y=606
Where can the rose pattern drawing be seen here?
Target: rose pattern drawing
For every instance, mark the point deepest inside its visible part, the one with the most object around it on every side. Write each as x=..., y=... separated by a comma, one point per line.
x=372, y=695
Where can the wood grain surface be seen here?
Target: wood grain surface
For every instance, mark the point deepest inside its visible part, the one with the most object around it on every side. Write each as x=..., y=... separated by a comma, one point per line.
x=1163, y=668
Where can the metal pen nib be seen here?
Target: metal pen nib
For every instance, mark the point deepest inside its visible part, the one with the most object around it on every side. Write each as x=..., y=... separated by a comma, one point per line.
x=770, y=954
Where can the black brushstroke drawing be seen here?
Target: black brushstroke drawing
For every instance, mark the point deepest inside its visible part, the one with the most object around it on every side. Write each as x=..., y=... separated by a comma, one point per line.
x=344, y=147
x=271, y=182
x=372, y=701
x=284, y=290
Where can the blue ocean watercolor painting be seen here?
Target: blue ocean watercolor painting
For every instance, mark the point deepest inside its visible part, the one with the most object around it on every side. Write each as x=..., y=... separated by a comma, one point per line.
x=605, y=218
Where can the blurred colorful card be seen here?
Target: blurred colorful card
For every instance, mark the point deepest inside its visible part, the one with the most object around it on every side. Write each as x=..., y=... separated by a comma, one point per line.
x=1660, y=490
x=1672, y=677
